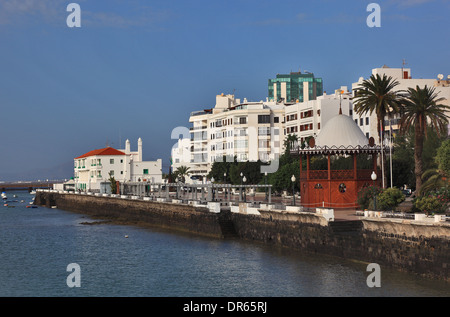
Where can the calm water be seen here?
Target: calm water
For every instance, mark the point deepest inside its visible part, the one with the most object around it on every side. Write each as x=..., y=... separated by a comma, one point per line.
x=37, y=245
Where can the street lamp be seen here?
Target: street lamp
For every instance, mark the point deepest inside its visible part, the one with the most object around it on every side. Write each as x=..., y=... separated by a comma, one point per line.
x=265, y=183
x=293, y=193
x=244, y=179
x=212, y=189
x=240, y=198
x=224, y=182
x=374, y=178
x=176, y=186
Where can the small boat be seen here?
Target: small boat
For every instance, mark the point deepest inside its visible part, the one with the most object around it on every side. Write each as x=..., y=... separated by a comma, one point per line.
x=4, y=197
x=33, y=192
x=31, y=206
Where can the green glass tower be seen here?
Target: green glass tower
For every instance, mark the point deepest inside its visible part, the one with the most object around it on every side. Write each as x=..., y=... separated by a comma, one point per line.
x=295, y=87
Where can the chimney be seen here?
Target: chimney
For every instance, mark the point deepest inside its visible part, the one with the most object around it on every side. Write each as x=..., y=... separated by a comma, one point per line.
x=140, y=150
x=127, y=146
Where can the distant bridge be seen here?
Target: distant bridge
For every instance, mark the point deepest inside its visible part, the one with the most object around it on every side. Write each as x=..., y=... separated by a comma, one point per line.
x=27, y=185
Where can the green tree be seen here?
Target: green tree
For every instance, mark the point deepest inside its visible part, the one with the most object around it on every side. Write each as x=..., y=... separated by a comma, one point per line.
x=281, y=179
x=112, y=183
x=438, y=177
x=377, y=94
x=422, y=109
x=443, y=158
x=288, y=142
x=218, y=169
x=403, y=161
x=182, y=172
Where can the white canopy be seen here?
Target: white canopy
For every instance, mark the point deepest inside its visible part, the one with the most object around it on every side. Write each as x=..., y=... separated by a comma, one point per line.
x=341, y=131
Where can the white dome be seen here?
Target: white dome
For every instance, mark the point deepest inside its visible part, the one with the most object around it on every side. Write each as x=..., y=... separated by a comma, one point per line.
x=341, y=131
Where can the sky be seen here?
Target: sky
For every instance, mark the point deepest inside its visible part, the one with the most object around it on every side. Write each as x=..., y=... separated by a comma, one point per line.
x=139, y=68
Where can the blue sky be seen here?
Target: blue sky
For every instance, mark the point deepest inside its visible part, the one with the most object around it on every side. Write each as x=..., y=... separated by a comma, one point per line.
x=138, y=68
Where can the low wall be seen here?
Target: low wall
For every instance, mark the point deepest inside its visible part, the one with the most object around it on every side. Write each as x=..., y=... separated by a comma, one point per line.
x=402, y=244
x=180, y=217
x=418, y=248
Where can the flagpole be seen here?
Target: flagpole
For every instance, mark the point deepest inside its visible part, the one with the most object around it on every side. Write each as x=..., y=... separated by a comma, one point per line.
x=382, y=151
x=390, y=146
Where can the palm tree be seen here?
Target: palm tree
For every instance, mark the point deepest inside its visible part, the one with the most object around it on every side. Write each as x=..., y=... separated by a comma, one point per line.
x=181, y=172
x=377, y=94
x=433, y=179
x=421, y=109
x=289, y=142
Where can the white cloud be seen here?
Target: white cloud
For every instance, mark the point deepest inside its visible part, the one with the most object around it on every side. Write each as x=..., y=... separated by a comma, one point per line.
x=25, y=12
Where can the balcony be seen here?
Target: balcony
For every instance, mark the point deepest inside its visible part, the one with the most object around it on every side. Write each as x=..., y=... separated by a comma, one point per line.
x=198, y=128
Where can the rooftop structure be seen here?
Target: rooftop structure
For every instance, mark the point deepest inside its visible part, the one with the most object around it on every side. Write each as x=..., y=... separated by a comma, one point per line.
x=295, y=87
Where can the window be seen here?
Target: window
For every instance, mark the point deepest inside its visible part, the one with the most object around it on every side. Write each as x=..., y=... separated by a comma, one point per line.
x=111, y=161
x=243, y=120
x=264, y=131
x=145, y=171
x=367, y=120
x=361, y=121
x=241, y=144
x=121, y=161
x=276, y=119
x=111, y=173
x=264, y=144
x=263, y=118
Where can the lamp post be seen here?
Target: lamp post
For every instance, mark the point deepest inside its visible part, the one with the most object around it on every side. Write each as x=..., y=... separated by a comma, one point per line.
x=293, y=193
x=374, y=178
x=265, y=183
x=212, y=189
x=240, y=198
x=176, y=186
x=244, y=179
x=224, y=182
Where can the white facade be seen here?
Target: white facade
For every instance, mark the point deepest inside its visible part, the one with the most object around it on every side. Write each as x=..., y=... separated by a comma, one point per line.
x=307, y=118
x=368, y=123
x=250, y=131
x=96, y=167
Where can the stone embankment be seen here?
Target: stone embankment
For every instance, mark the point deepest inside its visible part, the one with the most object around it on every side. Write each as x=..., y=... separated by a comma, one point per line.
x=420, y=247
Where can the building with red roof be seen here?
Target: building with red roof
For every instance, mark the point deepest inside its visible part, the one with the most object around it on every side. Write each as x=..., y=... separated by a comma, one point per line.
x=93, y=169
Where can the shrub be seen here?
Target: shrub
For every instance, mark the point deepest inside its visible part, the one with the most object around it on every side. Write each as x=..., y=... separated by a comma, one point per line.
x=430, y=204
x=366, y=194
x=389, y=199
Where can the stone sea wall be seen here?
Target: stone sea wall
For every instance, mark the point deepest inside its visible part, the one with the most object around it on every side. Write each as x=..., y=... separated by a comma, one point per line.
x=401, y=244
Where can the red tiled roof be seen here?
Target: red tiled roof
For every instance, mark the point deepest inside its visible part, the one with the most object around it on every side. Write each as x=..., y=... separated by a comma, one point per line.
x=106, y=151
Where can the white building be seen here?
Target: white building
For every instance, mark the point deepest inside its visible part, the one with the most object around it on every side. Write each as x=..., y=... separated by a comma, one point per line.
x=249, y=131
x=307, y=118
x=368, y=123
x=97, y=166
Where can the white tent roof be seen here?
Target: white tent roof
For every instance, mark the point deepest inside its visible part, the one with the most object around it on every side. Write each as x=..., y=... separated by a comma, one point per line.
x=341, y=131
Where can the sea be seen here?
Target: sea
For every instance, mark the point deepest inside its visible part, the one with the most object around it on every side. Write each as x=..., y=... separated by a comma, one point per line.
x=48, y=252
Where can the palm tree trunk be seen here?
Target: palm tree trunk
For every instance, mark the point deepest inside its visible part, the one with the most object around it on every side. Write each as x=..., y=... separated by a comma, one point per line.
x=418, y=149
